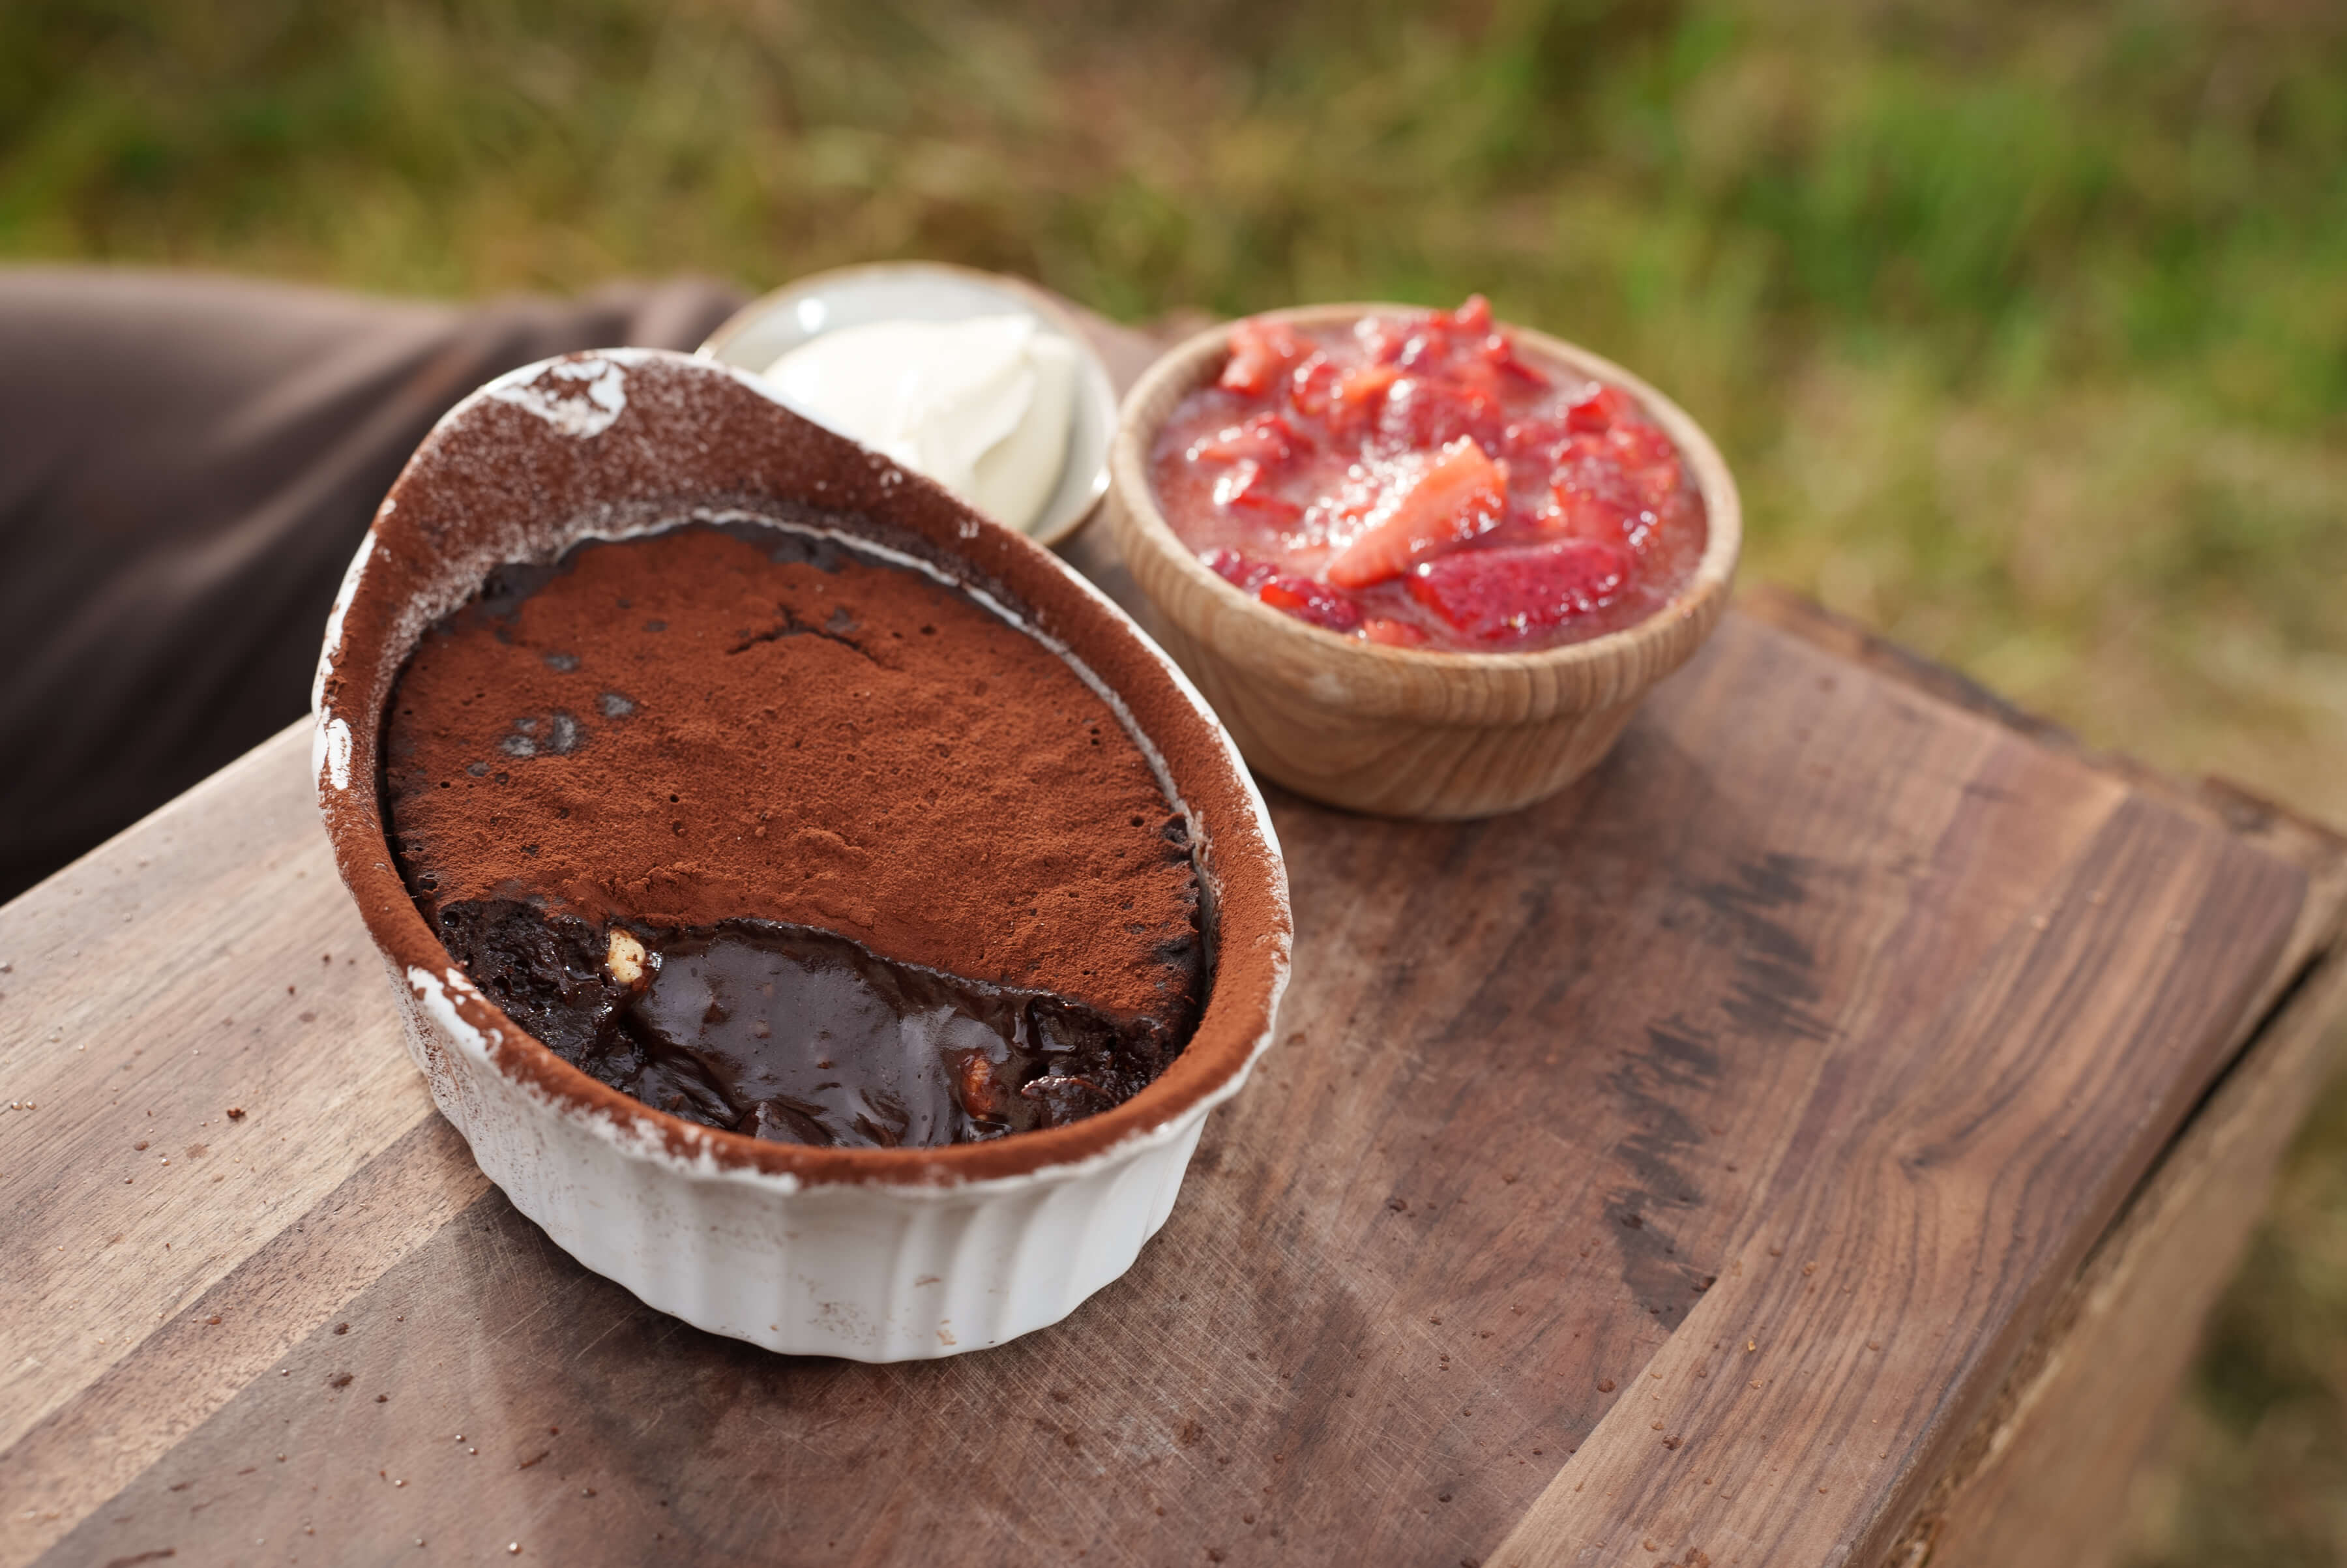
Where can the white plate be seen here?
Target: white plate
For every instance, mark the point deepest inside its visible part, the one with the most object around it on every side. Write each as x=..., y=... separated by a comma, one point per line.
x=770, y=327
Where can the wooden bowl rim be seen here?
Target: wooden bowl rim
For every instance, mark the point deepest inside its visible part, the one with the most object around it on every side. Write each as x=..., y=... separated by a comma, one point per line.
x=1186, y=364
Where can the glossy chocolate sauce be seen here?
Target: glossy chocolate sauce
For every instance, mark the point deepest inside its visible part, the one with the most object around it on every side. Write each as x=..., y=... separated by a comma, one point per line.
x=802, y=1036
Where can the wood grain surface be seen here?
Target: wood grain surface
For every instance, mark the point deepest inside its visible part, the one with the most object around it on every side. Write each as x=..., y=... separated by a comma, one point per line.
x=1875, y=982
x=2320, y=851
x=1959, y=1180
x=2045, y=1480
x=1811, y=1043
x=2044, y=1475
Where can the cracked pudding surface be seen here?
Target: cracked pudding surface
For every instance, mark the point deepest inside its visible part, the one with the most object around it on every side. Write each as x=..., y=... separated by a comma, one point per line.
x=782, y=838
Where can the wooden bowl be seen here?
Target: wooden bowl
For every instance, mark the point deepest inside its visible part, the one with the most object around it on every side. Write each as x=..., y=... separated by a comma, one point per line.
x=1403, y=731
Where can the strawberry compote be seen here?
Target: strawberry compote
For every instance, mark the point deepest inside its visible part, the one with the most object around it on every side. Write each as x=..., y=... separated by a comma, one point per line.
x=1411, y=480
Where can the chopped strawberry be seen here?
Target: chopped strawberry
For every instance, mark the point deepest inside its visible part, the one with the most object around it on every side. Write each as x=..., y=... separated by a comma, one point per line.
x=1597, y=476
x=1311, y=385
x=1634, y=443
x=1260, y=351
x=1657, y=485
x=1495, y=595
x=1392, y=633
x=1477, y=374
x=1474, y=316
x=1586, y=514
x=1427, y=349
x=1381, y=338
x=1236, y=570
x=1240, y=478
x=1539, y=443
x=1599, y=409
x=1269, y=507
x=1461, y=494
x=1423, y=412
x=1498, y=350
x=1314, y=602
x=1358, y=393
x=1267, y=439
x=1586, y=448
x=1246, y=486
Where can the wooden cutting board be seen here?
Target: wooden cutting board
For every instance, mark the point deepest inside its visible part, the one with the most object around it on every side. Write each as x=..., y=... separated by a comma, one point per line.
x=1813, y=1138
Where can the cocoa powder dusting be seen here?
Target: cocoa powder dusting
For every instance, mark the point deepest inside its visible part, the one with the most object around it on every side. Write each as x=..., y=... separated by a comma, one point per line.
x=708, y=724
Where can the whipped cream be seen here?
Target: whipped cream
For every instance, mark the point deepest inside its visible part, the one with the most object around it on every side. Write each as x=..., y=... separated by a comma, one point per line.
x=983, y=405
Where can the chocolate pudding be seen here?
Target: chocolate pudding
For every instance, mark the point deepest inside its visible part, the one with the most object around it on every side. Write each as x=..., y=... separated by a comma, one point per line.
x=784, y=837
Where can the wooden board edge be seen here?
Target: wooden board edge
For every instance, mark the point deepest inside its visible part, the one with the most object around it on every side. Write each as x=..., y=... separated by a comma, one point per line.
x=2316, y=848
x=2033, y=1443
x=1630, y=1503
x=133, y=1415
x=2234, y=806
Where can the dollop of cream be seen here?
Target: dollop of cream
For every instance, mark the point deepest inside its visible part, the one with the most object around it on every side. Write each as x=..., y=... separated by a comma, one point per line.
x=983, y=406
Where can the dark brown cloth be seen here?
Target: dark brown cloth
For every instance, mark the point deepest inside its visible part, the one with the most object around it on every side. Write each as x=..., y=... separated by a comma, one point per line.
x=185, y=465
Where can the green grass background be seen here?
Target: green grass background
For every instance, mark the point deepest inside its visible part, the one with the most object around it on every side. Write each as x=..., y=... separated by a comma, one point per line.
x=2024, y=325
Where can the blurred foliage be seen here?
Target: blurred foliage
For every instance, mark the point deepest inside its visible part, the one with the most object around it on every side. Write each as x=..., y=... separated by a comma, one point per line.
x=2256, y=1471
x=2024, y=326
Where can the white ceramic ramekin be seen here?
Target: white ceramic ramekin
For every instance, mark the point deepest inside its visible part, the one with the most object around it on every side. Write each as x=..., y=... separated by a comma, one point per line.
x=879, y=1255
